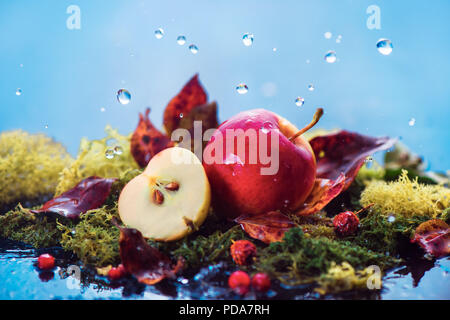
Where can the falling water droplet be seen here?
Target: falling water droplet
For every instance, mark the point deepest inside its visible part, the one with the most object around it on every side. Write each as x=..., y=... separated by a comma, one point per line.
x=412, y=122
x=274, y=49
x=159, y=33
x=384, y=46
x=391, y=218
x=102, y=109
x=299, y=101
x=181, y=40
x=193, y=48
x=118, y=150
x=109, y=153
x=330, y=57
x=308, y=61
x=311, y=87
x=247, y=39
x=123, y=96
x=46, y=126
x=327, y=35
x=242, y=88
x=339, y=39
x=18, y=92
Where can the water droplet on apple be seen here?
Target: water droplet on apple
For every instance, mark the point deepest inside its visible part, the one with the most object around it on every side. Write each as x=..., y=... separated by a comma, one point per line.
x=159, y=33
x=247, y=39
x=181, y=116
x=299, y=101
x=384, y=46
x=330, y=57
x=242, y=88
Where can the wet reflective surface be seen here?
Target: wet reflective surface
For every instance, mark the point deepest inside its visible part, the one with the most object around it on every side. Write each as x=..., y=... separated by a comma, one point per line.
x=419, y=278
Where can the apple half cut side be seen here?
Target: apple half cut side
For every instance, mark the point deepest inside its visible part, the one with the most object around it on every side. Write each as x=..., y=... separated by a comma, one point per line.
x=170, y=199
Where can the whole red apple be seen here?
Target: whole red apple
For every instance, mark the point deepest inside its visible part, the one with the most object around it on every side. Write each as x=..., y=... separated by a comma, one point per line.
x=248, y=179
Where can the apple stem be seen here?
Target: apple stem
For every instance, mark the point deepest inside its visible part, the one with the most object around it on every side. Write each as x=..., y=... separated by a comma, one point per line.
x=364, y=209
x=316, y=118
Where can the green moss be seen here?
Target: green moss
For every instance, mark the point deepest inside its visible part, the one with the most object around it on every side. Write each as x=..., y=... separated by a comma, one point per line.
x=91, y=160
x=299, y=259
x=94, y=239
x=29, y=166
x=39, y=231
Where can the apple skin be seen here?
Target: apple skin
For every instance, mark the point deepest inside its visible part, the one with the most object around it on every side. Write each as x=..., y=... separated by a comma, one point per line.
x=239, y=190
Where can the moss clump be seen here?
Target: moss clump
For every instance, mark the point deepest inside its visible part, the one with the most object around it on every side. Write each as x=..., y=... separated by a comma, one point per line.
x=344, y=277
x=95, y=240
x=91, y=160
x=37, y=230
x=298, y=259
x=29, y=166
x=406, y=197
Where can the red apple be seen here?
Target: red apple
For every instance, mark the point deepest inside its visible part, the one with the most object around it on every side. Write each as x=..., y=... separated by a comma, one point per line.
x=238, y=184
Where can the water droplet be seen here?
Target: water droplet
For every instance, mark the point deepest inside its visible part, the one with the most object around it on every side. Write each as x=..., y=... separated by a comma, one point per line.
x=266, y=127
x=311, y=87
x=330, y=57
x=18, y=92
x=242, y=88
x=181, y=116
x=109, y=153
x=21, y=65
x=102, y=109
x=46, y=126
x=123, y=96
x=308, y=61
x=193, y=48
x=118, y=150
x=384, y=46
x=159, y=33
x=247, y=39
x=412, y=122
x=181, y=40
x=328, y=35
x=339, y=39
x=391, y=218
x=274, y=49
x=299, y=101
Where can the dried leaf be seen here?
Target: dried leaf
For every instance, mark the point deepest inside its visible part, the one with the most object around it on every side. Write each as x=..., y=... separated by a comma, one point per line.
x=89, y=194
x=191, y=96
x=434, y=237
x=323, y=192
x=147, y=140
x=268, y=228
x=146, y=263
x=207, y=114
x=345, y=152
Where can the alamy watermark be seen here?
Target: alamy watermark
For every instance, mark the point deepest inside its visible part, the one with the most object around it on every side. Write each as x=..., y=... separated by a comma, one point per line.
x=73, y=22
x=374, y=20
x=374, y=280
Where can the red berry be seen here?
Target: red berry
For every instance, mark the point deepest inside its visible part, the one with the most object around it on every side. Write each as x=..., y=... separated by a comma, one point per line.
x=261, y=282
x=243, y=252
x=115, y=273
x=46, y=261
x=239, y=281
x=345, y=223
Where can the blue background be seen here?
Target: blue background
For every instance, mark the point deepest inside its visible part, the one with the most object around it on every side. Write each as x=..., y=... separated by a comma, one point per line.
x=69, y=75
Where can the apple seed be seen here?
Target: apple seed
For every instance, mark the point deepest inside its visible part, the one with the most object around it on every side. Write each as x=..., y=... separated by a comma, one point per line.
x=172, y=186
x=157, y=197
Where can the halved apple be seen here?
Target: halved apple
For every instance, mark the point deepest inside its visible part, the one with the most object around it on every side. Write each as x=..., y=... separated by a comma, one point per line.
x=170, y=199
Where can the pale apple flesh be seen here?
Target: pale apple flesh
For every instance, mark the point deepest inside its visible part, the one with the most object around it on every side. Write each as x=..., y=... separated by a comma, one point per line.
x=170, y=199
x=241, y=189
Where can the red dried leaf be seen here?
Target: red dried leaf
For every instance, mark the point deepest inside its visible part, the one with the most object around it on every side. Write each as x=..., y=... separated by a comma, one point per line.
x=434, y=237
x=89, y=194
x=207, y=114
x=267, y=228
x=147, y=140
x=323, y=192
x=146, y=263
x=345, y=152
x=191, y=96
